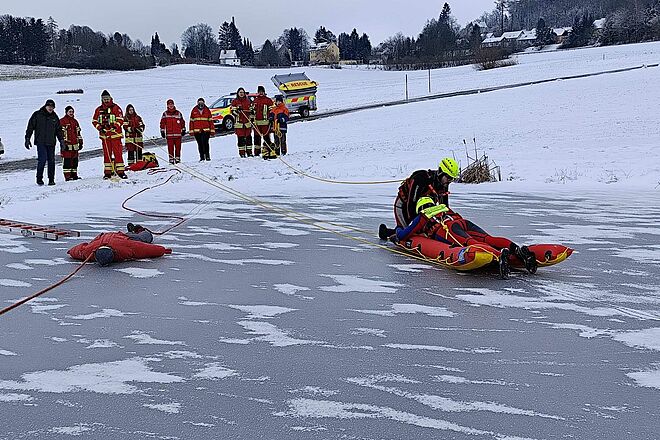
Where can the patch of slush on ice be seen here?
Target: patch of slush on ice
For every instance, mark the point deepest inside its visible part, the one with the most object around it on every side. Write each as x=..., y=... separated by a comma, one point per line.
x=243, y=262
x=291, y=290
x=648, y=338
x=425, y=347
x=169, y=408
x=14, y=397
x=261, y=311
x=235, y=341
x=104, y=378
x=105, y=313
x=272, y=245
x=141, y=338
x=462, y=380
x=102, y=343
x=649, y=379
x=181, y=354
x=315, y=391
x=410, y=309
x=53, y=262
x=439, y=402
x=7, y=353
x=353, y=283
x=493, y=298
x=13, y=283
x=413, y=268
x=19, y=266
x=322, y=409
x=70, y=430
x=369, y=331
x=640, y=254
x=274, y=336
x=197, y=303
x=215, y=371
x=136, y=272
x=43, y=308
x=57, y=339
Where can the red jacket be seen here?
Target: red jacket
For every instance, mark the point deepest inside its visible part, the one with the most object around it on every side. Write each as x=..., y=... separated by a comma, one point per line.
x=261, y=105
x=173, y=123
x=124, y=248
x=240, y=108
x=71, y=131
x=108, y=120
x=133, y=127
x=201, y=121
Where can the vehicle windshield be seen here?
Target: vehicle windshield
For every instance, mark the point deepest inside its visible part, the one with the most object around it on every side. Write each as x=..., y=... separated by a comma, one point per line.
x=218, y=103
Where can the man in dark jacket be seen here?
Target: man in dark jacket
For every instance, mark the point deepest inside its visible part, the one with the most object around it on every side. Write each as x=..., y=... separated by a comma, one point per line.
x=45, y=124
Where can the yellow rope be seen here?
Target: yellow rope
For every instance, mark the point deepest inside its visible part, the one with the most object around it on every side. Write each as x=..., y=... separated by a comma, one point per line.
x=306, y=219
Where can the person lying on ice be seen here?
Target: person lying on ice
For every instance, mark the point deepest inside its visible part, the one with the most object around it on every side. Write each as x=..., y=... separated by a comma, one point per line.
x=424, y=183
x=116, y=247
x=438, y=222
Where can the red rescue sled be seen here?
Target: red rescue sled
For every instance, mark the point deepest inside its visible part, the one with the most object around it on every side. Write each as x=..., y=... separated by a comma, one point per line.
x=480, y=255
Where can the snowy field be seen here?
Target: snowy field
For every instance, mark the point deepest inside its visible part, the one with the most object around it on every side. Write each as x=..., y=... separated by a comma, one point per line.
x=11, y=72
x=259, y=320
x=148, y=90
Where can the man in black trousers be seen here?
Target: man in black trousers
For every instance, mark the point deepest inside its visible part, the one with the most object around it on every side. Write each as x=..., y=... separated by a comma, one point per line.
x=45, y=124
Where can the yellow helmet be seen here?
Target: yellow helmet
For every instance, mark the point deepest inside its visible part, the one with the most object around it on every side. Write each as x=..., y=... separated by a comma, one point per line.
x=423, y=203
x=450, y=167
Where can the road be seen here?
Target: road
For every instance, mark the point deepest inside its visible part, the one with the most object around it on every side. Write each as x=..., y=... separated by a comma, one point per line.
x=261, y=327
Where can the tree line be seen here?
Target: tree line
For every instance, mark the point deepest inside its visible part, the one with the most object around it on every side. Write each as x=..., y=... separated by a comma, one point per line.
x=441, y=42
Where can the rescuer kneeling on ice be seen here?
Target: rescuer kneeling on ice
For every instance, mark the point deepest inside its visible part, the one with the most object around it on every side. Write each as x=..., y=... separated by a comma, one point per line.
x=116, y=247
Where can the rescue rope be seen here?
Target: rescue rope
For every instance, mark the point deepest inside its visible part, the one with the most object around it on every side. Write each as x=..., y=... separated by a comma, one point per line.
x=321, y=179
x=47, y=289
x=181, y=220
x=81, y=265
x=309, y=220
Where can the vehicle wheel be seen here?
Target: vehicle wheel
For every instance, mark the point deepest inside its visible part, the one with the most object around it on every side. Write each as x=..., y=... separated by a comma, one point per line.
x=304, y=112
x=228, y=123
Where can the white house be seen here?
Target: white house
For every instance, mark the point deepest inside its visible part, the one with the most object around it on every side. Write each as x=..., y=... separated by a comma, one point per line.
x=229, y=58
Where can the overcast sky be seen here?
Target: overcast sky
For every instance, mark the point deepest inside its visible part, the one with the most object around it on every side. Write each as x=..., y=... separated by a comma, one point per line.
x=256, y=19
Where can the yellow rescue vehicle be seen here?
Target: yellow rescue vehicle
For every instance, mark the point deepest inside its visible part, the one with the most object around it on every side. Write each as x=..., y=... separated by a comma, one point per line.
x=299, y=92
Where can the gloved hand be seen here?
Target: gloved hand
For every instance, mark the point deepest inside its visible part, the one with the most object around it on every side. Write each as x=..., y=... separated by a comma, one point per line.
x=162, y=133
x=80, y=144
x=28, y=144
x=183, y=132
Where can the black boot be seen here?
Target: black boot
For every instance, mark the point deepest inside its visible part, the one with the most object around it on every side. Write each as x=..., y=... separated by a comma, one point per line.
x=384, y=232
x=528, y=257
x=504, y=268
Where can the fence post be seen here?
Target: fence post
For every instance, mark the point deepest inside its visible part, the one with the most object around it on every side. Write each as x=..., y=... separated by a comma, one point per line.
x=429, y=81
x=406, y=86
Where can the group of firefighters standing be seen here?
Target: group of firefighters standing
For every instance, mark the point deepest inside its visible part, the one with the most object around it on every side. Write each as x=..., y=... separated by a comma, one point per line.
x=261, y=114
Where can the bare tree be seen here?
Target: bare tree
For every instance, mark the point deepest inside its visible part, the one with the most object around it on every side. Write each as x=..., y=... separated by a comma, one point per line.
x=199, y=42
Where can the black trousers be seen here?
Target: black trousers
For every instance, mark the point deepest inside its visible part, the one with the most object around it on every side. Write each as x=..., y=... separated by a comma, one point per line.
x=45, y=154
x=203, y=145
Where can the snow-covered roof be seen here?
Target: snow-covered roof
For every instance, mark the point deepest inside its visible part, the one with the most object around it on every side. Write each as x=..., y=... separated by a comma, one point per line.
x=228, y=54
x=562, y=31
x=493, y=40
x=489, y=35
x=528, y=35
x=321, y=46
x=512, y=35
x=600, y=23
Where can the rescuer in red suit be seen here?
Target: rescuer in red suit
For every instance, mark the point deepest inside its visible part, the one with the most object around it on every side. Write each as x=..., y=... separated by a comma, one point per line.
x=116, y=247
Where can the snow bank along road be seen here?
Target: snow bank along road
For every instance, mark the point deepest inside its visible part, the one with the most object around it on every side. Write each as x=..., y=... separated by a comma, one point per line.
x=87, y=154
x=260, y=327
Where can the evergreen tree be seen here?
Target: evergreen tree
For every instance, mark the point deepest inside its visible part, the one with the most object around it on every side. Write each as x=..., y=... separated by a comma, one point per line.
x=474, y=39
x=544, y=35
x=224, y=36
x=323, y=35
x=268, y=55
x=156, y=45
